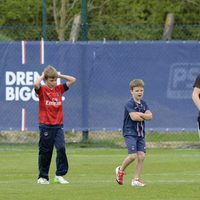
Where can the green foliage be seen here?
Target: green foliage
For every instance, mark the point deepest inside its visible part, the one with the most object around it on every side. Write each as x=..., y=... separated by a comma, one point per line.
x=145, y=12
x=4, y=38
x=111, y=139
x=167, y=136
x=21, y=12
x=142, y=20
x=113, y=20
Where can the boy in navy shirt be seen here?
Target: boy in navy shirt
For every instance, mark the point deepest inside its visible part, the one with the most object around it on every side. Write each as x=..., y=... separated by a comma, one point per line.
x=196, y=97
x=135, y=114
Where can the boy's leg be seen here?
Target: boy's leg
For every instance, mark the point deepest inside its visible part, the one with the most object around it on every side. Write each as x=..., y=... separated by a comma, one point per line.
x=61, y=158
x=128, y=160
x=141, y=147
x=45, y=151
x=139, y=164
x=131, y=145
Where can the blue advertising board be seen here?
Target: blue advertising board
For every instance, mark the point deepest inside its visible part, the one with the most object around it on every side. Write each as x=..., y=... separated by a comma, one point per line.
x=103, y=71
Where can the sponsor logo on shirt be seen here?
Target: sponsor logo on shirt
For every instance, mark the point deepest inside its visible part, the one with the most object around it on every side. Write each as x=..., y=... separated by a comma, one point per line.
x=54, y=102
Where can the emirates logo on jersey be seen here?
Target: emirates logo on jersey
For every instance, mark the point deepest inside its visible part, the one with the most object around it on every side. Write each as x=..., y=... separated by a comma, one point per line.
x=53, y=102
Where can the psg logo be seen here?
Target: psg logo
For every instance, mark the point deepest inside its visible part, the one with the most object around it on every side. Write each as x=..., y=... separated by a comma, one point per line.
x=46, y=134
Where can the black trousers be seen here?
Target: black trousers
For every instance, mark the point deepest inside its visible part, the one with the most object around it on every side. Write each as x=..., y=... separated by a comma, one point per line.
x=50, y=137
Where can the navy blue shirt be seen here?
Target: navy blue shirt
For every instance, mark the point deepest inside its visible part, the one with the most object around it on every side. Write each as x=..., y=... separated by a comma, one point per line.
x=131, y=127
x=197, y=84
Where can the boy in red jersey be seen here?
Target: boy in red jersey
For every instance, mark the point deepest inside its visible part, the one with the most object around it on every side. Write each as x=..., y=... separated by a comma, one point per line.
x=51, y=124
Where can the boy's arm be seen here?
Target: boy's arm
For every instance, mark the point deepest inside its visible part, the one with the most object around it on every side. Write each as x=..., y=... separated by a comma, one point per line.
x=195, y=97
x=147, y=115
x=38, y=81
x=139, y=116
x=135, y=116
x=70, y=79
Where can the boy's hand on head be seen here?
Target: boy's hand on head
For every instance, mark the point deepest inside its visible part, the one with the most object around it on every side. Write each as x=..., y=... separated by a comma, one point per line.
x=42, y=75
x=59, y=75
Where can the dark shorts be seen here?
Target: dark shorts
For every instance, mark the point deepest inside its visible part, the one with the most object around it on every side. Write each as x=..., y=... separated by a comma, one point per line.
x=135, y=144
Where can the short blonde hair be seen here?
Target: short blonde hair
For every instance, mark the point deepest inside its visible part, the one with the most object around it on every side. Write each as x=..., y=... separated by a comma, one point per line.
x=136, y=83
x=50, y=72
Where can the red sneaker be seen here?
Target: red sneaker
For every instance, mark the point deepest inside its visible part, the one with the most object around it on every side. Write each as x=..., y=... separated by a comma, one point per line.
x=119, y=175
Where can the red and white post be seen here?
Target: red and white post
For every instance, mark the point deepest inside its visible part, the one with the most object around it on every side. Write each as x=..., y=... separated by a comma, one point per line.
x=23, y=128
x=23, y=44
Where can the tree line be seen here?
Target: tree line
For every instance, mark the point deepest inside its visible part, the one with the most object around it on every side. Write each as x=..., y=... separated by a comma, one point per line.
x=108, y=19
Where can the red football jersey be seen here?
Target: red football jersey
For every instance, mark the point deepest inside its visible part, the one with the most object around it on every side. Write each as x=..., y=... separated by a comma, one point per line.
x=50, y=104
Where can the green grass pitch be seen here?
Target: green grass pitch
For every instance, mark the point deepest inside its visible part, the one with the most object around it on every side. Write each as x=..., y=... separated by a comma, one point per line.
x=172, y=174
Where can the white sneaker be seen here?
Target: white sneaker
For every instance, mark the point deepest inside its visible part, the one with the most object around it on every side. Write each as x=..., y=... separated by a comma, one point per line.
x=60, y=179
x=42, y=181
x=137, y=182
